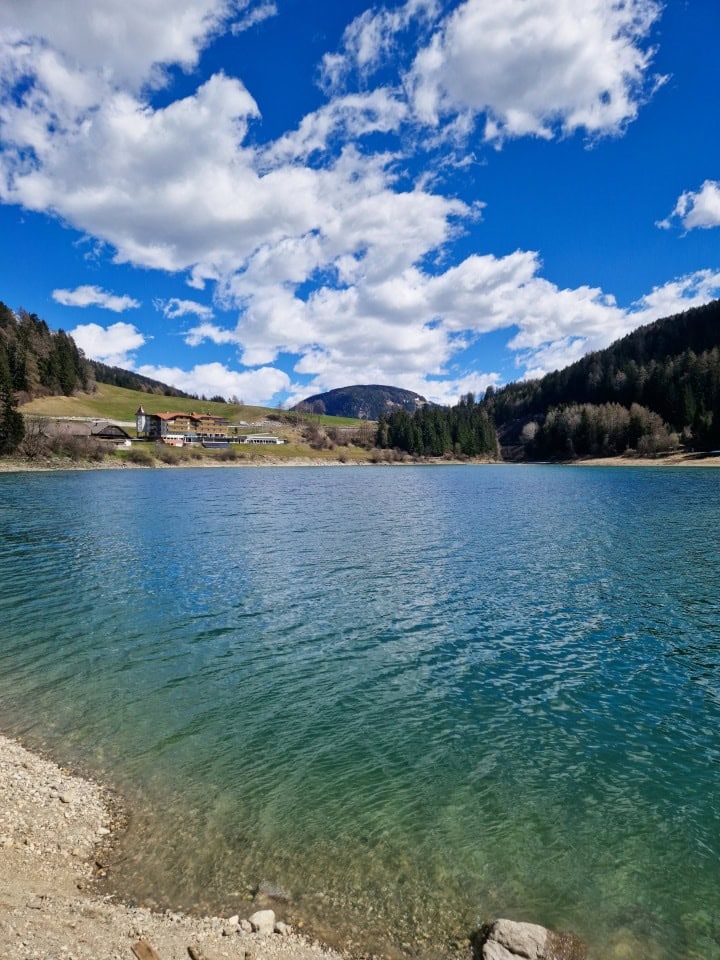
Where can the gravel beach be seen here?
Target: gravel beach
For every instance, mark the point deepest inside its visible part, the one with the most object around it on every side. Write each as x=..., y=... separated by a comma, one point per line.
x=54, y=829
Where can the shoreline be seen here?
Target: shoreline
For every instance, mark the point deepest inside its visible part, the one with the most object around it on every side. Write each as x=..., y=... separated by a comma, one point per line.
x=57, y=833
x=59, y=465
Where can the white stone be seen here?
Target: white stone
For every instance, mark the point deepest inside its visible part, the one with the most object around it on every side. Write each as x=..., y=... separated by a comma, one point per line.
x=525, y=940
x=493, y=951
x=234, y=919
x=263, y=921
x=246, y=926
x=283, y=929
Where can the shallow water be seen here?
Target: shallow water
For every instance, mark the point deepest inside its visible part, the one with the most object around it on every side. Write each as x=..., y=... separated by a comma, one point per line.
x=417, y=698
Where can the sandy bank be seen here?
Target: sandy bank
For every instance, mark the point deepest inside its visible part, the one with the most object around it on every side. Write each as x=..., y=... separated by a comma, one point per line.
x=54, y=829
x=669, y=460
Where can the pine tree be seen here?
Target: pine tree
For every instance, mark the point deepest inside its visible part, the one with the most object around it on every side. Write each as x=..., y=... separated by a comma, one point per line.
x=12, y=427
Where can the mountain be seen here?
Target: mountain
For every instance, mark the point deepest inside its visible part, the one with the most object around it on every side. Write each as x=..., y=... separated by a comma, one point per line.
x=363, y=401
x=653, y=389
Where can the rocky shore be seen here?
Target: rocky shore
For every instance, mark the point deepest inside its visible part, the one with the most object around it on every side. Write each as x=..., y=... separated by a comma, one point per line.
x=55, y=832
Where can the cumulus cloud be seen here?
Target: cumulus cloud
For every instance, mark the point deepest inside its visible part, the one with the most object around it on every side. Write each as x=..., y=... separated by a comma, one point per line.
x=538, y=66
x=175, y=307
x=112, y=345
x=209, y=331
x=251, y=386
x=334, y=262
x=697, y=209
x=91, y=296
x=125, y=44
x=166, y=188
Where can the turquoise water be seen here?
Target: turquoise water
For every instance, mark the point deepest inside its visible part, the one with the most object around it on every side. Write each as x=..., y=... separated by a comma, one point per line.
x=418, y=698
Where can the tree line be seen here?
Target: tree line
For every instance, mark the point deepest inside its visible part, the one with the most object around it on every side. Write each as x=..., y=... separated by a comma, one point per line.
x=604, y=430
x=433, y=431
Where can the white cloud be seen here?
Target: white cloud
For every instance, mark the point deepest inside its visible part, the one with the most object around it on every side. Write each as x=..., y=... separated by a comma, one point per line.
x=174, y=308
x=90, y=296
x=371, y=38
x=351, y=116
x=251, y=386
x=538, y=66
x=567, y=324
x=209, y=331
x=121, y=43
x=697, y=209
x=330, y=261
x=112, y=345
x=256, y=15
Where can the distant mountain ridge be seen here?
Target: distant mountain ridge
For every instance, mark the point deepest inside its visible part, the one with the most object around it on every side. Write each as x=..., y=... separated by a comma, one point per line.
x=363, y=401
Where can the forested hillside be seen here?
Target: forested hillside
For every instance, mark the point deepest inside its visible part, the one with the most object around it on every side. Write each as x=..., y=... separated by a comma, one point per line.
x=657, y=387
x=40, y=360
x=117, y=377
x=33, y=360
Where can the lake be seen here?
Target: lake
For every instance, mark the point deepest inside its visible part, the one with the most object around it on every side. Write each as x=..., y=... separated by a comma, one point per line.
x=417, y=698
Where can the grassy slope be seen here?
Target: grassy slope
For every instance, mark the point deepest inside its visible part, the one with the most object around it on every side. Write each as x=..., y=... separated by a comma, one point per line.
x=117, y=403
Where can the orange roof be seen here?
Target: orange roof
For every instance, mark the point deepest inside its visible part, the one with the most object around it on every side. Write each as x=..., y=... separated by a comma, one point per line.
x=206, y=416
x=189, y=416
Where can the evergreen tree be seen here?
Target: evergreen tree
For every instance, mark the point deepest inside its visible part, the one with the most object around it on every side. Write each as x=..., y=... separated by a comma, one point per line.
x=12, y=427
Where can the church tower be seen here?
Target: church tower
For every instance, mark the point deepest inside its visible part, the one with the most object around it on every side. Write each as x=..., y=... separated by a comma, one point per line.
x=141, y=422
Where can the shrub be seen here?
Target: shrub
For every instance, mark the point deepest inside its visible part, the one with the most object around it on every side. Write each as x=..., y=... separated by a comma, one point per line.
x=140, y=455
x=170, y=455
x=228, y=455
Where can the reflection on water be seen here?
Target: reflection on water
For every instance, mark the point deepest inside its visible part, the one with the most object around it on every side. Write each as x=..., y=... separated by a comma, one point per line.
x=417, y=698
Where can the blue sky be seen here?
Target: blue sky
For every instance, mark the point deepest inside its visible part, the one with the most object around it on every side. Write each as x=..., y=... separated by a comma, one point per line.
x=270, y=198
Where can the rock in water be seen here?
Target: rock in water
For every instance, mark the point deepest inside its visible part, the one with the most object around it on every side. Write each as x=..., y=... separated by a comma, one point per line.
x=263, y=921
x=508, y=940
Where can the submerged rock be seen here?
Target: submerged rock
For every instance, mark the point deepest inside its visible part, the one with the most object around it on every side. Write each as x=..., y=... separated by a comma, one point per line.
x=508, y=940
x=274, y=891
